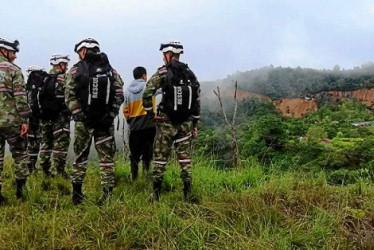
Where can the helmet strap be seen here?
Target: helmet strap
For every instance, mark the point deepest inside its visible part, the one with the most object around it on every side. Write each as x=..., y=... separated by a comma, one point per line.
x=2, y=53
x=5, y=55
x=61, y=69
x=166, y=59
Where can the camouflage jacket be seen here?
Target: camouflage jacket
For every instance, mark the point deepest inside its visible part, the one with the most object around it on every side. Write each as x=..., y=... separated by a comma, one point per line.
x=14, y=109
x=71, y=87
x=155, y=83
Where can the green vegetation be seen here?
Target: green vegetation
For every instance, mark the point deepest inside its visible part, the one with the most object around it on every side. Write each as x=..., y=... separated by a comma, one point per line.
x=245, y=209
x=301, y=184
x=324, y=140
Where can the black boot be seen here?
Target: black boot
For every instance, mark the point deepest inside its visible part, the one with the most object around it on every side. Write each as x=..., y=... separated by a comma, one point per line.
x=46, y=171
x=146, y=166
x=20, y=185
x=2, y=198
x=187, y=193
x=156, y=191
x=107, y=193
x=186, y=189
x=77, y=197
x=134, y=170
x=31, y=166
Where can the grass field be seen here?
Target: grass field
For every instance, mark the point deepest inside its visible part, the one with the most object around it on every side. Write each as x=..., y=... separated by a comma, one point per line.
x=244, y=209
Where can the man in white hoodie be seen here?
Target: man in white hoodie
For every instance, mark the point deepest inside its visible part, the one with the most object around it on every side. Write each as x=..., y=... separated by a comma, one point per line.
x=142, y=129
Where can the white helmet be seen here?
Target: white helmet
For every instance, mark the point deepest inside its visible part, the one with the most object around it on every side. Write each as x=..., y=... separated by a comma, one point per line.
x=88, y=43
x=6, y=44
x=59, y=58
x=173, y=46
x=33, y=68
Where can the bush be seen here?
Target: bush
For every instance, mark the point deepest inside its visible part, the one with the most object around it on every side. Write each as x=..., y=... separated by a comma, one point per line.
x=215, y=144
x=263, y=138
x=342, y=177
x=315, y=134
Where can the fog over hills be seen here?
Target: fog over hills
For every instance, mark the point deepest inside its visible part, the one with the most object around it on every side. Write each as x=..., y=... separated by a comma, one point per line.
x=286, y=82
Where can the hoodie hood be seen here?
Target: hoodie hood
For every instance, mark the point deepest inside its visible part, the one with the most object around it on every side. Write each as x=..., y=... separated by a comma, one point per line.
x=136, y=86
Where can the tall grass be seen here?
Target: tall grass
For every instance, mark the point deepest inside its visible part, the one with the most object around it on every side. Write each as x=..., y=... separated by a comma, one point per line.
x=244, y=209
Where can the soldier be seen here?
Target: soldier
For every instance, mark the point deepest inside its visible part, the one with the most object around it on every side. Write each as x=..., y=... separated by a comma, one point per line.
x=178, y=115
x=55, y=131
x=142, y=129
x=34, y=135
x=94, y=95
x=14, y=113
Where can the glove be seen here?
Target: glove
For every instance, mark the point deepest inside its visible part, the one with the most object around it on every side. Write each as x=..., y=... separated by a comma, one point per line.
x=79, y=117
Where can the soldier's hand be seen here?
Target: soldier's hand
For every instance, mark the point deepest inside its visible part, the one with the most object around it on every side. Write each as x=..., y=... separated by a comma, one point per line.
x=158, y=118
x=24, y=129
x=194, y=132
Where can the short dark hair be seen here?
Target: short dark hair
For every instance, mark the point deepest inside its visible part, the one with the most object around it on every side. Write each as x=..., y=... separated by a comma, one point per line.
x=138, y=72
x=94, y=50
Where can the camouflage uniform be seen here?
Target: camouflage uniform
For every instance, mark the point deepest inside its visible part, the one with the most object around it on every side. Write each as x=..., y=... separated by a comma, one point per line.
x=103, y=137
x=170, y=134
x=179, y=135
x=14, y=111
x=33, y=142
x=56, y=133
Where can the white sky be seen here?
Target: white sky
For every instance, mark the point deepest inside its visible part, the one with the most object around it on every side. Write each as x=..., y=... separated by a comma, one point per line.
x=220, y=36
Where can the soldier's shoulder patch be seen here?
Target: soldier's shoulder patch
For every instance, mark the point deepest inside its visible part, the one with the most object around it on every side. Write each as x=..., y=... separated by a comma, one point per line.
x=162, y=70
x=8, y=65
x=73, y=70
x=60, y=78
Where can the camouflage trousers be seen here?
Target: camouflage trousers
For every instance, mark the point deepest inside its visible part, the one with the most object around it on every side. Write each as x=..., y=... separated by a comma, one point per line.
x=167, y=136
x=33, y=141
x=105, y=146
x=55, y=142
x=17, y=146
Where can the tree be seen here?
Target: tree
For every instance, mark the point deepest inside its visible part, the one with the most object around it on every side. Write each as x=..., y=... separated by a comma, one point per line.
x=315, y=134
x=231, y=125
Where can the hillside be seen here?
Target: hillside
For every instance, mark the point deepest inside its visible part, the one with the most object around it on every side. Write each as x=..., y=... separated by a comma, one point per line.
x=288, y=87
x=365, y=95
x=296, y=107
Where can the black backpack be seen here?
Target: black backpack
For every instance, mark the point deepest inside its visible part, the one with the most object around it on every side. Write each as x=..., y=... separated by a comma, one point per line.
x=41, y=95
x=180, y=92
x=95, y=91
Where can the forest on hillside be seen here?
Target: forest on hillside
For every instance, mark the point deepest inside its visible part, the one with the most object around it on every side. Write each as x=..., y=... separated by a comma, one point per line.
x=324, y=140
x=286, y=82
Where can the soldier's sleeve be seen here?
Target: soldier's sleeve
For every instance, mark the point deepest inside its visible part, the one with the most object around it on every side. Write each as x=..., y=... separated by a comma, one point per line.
x=196, y=112
x=20, y=98
x=71, y=99
x=60, y=90
x=152, y=86
x=118, y=98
